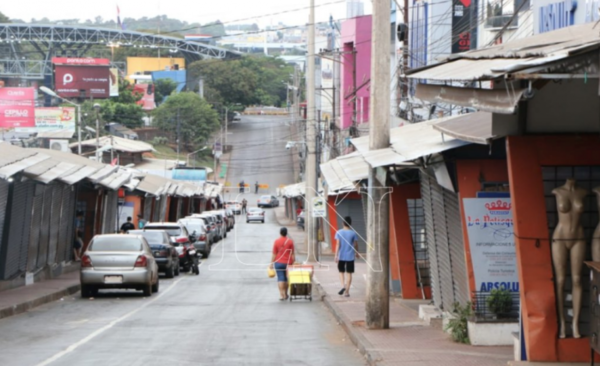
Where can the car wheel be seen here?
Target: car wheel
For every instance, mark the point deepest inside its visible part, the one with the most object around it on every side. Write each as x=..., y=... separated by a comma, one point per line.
x=147, y=290
x=177, y=269
x=247, y=221
x=155, y=286
x=206, y=253
x=86, y=291
x=169, y=273
x=263, y=221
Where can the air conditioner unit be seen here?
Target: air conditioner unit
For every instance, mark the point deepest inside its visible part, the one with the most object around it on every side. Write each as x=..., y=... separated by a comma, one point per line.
x=60, y=145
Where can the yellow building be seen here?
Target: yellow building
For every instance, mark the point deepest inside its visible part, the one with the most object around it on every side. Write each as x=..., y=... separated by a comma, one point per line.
x=144, y=64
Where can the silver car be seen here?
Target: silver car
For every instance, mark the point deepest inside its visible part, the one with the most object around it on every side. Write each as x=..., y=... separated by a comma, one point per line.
x=118, y=261
x=255, y=214
x=268, y=201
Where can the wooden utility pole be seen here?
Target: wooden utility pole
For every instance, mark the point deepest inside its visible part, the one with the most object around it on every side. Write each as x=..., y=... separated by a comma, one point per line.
x=311, y=140
x=378, y=249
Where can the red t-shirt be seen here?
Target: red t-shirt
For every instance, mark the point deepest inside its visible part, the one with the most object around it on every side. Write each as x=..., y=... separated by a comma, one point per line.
x=283, y=250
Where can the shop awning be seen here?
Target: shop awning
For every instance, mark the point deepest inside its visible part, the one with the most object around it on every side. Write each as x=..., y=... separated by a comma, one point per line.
x=294, y=190
x=336, y=178
x=496, y=101
x=472, y=127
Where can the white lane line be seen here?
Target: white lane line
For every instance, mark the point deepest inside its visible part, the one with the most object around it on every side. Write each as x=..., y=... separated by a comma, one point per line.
x=85, y=340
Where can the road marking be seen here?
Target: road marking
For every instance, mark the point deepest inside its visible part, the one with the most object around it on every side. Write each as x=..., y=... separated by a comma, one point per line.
x=85, y=340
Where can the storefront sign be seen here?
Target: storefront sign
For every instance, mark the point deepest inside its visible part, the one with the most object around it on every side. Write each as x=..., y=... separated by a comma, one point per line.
x=557, y=15
x=464, y=35
x=52, y=119
x=490, y=229
x=318, y=207
x=17, y=108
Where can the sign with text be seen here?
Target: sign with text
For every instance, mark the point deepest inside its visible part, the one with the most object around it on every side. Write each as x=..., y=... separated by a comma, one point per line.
x=82, y=81
x=52, y=119
x=318, y=207
x=17, y=107
x=464, y=35
x=490, y=229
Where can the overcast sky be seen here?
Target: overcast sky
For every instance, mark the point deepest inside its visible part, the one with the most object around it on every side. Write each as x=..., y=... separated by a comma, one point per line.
x=202, y=11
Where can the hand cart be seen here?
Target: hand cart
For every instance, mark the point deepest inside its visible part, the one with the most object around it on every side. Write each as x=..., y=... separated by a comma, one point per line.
x=300, y=281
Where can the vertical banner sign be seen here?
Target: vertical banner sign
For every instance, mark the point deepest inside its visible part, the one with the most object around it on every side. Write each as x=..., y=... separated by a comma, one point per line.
x=318, y=207
x=490, y=230
x=17, y=107
x=462, y=27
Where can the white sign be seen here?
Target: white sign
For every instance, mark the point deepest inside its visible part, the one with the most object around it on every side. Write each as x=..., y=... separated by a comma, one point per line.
x=318, y=207
x=490, y=228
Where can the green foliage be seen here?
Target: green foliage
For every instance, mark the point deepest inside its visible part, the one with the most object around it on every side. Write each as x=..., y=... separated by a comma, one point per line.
x=160, y=140
x=499, y=302
x=4, y=18
x=163, y=88
x=249, y=80
x=458, y=326
x=196, y=117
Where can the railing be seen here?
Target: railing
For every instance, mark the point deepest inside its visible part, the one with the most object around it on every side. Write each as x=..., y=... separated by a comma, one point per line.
x=500, y=21
x=483, y=312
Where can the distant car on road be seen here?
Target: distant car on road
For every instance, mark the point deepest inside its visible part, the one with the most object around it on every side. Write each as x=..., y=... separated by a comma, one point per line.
x=237, y=116
x=164, y=253
x=255, y=214
x=234, y=206
x=268, y=201
x=118, y=261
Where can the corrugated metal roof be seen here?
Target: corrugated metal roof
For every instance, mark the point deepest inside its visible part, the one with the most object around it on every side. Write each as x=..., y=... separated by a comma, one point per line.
x=465, y=69
x=335, y=177
x=472, y=127
x=354, y=166
x=59, y=170
x=21, y=164
x=118, y=143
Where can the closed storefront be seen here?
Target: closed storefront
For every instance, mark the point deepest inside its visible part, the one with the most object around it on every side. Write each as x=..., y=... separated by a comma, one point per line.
x=354, y=209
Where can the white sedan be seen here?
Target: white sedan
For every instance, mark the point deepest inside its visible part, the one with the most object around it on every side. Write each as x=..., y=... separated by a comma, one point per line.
x=255, y=214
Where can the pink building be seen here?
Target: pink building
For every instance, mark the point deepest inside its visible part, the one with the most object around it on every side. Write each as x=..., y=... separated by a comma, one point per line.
x=356, y=70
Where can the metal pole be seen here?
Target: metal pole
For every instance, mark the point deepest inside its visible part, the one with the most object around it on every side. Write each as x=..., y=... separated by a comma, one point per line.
x=226, y=120
x=311, y=141
x=97, y=136
x=178, y=131
x=378, y=250
x=78, y=129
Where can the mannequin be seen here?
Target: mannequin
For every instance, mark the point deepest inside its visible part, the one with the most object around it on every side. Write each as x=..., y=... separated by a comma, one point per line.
x=568, y=242
x=596, y=237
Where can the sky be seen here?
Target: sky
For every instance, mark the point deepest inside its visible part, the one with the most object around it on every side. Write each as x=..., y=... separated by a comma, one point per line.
x=262, y=12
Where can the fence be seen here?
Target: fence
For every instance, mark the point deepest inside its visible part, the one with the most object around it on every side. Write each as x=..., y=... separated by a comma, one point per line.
x=491, y=310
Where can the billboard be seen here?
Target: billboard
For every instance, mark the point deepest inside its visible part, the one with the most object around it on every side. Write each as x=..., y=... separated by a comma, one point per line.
x=52, y=119
x=82, y=77
x=17, y=107
x=142, y=65
x=464, y=25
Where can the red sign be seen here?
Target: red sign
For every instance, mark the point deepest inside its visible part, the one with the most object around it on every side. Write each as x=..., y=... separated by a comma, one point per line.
x=147, y=91
x=82, y=81
x=17, y=107
x=80, y=61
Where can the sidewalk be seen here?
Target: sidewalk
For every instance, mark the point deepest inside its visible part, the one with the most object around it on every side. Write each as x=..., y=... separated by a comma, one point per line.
x=24, y=298
x=409, y=341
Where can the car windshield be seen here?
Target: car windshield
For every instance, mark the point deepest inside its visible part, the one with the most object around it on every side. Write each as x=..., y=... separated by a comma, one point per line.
x=254, y=209
x=171, y=230
x=115, y=244
x=193, y=225
x=153, y=237
x=265, y=197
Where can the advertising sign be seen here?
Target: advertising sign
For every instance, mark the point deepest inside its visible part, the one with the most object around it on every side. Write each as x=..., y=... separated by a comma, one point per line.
x=114, y=82
x=464, y=28
x=77, y=81
x=318, y=207
x=52, y=119
x=17, y=107
x=491, y=237
x=80, y=61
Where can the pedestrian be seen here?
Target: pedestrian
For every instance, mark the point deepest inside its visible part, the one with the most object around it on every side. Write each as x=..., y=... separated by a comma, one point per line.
x=242, y=185
x=345, y=251
x=141, y=222
x=77, y=245
x=283, y=255
x=244, y=204
x=127, y=226
x=256, y=187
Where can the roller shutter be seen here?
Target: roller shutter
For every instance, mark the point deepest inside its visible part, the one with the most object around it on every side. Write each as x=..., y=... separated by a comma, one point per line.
x=110, y=212
x=426, y=195
x=45, y=227
x=457, y=248
x=4, y=190
x=163, y=209
x=34, y=237
x=148, y=208
x=70, y=223
x=66, y=214
x=54, y=224
x=354, y=209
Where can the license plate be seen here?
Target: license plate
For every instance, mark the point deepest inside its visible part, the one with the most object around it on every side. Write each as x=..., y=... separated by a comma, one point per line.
x=113, y=279
x=156, y=254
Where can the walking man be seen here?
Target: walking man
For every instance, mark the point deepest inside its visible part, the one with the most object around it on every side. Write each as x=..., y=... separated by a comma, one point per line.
x=127, y=226
x=242, y=184
x=256, y=187
x=244, y=204
x=283, y=255
x=345, y=252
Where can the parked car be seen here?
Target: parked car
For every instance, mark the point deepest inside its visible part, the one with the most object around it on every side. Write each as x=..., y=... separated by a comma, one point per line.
x=164, y=252
x=231, y=217
x=213, y=219
x=118, y=261
x=268, y=201
x=210, y=232
x=255, y=214
x=198, y=230
x=180, y=238
x=234, y=206
x=237, y=116
x=300, y=220
x=221, y=224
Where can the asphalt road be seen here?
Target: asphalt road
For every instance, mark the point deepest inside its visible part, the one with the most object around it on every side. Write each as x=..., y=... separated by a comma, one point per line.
x=229, y=315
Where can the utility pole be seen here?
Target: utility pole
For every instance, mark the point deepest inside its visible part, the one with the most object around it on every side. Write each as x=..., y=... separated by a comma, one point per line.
x=311, y=140
x=178, y=132
x=226, y=120
x=378, y=250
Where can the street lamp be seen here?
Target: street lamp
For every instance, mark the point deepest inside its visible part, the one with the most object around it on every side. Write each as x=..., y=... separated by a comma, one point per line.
x=52, y=93
x=97, y=108
x=187, y=161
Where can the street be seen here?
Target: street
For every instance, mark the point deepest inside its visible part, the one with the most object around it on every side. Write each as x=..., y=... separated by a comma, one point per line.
x=228, y=315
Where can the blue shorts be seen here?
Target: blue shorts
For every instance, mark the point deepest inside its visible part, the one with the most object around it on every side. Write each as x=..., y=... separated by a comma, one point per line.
x=280, y=269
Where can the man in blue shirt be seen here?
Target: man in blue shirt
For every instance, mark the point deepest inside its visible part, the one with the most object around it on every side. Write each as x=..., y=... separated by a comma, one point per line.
x=346, y=248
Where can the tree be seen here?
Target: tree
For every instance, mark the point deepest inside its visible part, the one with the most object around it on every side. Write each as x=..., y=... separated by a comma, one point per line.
x=4, y=18
x=162, y=89
x=196, y=118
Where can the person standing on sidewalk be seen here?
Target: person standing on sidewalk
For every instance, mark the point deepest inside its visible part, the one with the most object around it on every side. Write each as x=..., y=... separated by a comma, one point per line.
x=256, y=187
x=345, y=253
x=244, y=205
x=141, y=222
x=283, y=255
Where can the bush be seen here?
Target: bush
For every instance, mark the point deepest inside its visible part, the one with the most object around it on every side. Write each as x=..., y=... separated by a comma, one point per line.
x=160, y=140
x=499, y=302
x=458, y=326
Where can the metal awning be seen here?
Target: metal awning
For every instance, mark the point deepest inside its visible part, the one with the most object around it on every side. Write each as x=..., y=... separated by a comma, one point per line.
x=294, y=190
x=496, y=101
x=336, y=178
x=472, y=127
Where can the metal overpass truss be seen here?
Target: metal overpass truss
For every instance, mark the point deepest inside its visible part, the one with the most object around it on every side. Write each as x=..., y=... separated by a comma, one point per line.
x=26, y=50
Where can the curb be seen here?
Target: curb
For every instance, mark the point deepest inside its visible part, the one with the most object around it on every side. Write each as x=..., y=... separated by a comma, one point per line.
x=28, y=305
x=360, y=341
